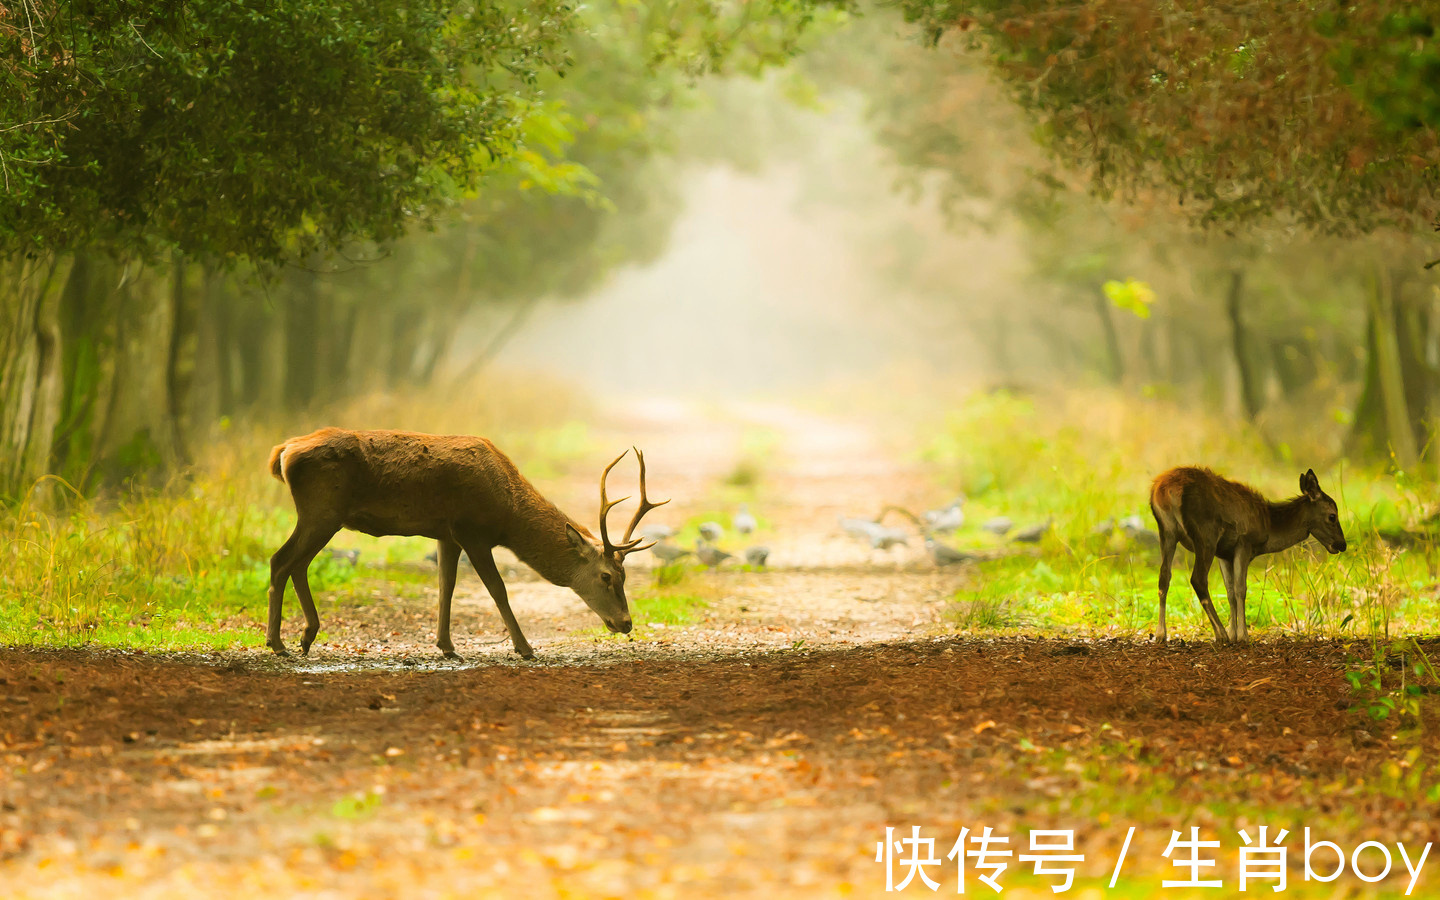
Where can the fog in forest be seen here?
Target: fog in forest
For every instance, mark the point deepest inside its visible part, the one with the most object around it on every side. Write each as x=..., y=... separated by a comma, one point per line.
x=761, y=289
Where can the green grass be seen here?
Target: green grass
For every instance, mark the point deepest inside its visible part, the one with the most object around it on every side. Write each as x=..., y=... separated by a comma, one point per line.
x=677, y=595
x=1081, y=458
x=669, y=607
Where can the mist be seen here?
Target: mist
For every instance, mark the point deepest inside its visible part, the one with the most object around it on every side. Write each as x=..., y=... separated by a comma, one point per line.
x=776, y=280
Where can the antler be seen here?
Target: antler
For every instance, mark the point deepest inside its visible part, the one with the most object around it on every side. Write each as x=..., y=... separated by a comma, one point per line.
x=626, y=545
x=645, y=507
x=605, y=505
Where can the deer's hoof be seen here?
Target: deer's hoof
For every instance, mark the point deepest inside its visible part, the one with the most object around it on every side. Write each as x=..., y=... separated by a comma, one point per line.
x=278, y=647
x=525, y=652
x=451, y=654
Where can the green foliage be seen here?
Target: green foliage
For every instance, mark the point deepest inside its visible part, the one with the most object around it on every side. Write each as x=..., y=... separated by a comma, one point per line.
x=360, y=805
x=1390, y=685
x=236, y=130
x=1326, y=116
x=1394, y=68
x=1130, y=295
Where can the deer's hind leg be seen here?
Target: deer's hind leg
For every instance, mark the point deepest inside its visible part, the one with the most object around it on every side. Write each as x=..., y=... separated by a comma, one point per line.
x=1200, y=581
x=315, y=540
x=448, y=556
x=1168, y=540
x=290, y=563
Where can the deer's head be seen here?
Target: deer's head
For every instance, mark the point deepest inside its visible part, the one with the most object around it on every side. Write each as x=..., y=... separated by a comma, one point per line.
x=600, y=578
x=1321, y=515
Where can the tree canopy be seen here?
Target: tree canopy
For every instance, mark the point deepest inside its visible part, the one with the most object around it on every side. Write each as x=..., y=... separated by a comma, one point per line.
x=256, y=130
x=1323, y=114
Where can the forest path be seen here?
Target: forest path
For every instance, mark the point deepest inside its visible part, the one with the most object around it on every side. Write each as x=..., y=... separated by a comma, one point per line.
x=820, y=587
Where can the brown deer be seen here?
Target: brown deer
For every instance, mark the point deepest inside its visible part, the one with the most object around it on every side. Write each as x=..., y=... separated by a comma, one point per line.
x=1216, y=518
x=459, y=490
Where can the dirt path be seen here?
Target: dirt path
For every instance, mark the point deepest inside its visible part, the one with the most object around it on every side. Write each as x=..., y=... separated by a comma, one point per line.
x=820, y=587
x=759, y=751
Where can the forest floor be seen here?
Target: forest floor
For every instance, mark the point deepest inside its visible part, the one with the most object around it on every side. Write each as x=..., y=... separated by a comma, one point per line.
x=758, y=744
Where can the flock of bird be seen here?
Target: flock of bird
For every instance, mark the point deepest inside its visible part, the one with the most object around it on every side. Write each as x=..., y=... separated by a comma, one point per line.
x=707, y=548
x=946, y=519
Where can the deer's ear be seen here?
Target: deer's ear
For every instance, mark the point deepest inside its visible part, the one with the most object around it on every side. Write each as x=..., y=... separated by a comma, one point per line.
x=577, y=541
x=1310, y=485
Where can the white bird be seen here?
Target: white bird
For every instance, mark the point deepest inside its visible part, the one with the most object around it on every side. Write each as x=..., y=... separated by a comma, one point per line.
x=860, y=529
x=944, y=555
x=657, y=532
x=1134, y=528
x=1032, y=534
x=711, y=531
x=710, y=554
x=668, y=553
x=947, y=518
x=434, y=558
x=1000, y=525
x=756, y=556
x=884, y=538
x=742, y=521
x=350, y=556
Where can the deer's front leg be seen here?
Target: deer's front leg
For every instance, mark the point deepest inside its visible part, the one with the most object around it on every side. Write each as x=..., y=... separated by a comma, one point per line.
x=448, y=557
x=484, y=562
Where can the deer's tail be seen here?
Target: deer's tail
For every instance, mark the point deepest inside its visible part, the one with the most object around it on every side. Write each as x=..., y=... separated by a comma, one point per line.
x=1165, y=507
x=277, y=462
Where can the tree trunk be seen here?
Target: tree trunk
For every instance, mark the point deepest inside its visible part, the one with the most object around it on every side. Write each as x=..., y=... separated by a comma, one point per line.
x=180, y=357
x=301, y=344
x=31, y=366
x=405, y=341
x=1389, y=369
x=85, y=326
x=212, y=391
x=1249, y=390
x=1115, y=360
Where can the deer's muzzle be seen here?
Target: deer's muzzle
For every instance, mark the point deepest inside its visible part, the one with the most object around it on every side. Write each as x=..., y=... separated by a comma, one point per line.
x=621, y=626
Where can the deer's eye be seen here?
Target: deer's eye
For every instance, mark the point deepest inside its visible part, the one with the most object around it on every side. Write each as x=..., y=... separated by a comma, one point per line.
x=605, y=577
x=1334, y=518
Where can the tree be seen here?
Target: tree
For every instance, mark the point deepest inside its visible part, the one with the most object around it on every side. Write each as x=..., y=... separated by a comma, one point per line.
x=1321, y=114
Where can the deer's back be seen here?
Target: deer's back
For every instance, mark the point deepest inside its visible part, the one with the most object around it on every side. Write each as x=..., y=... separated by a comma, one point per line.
x=397, y=482
x=1200, y=496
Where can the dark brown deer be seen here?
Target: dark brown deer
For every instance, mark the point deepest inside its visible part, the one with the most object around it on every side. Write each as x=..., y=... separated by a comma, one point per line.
x=1216, y=518
x=459, y=490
